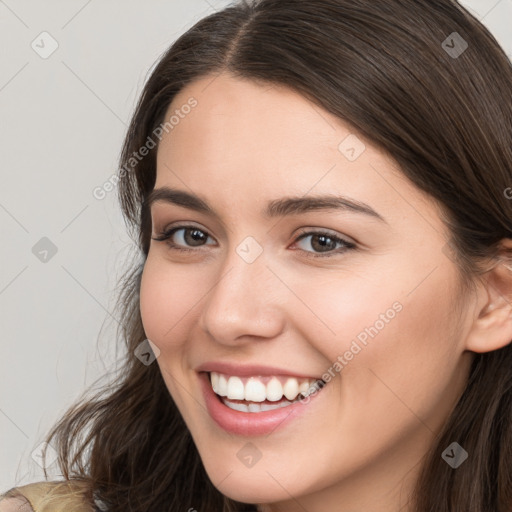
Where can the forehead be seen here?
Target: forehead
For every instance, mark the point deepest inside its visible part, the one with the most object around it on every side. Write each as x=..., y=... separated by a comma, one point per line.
x=268, y=122
x=261, y=140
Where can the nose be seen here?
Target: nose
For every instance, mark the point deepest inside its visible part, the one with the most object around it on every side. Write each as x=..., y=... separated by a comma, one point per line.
x=244, y=304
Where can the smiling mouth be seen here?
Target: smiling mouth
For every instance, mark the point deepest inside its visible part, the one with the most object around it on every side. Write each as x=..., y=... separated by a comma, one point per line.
x=261, y=393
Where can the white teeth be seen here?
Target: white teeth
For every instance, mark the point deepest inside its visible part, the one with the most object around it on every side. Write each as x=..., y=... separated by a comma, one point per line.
x=270, y=407
x=254, y=407
x=237, y=406
x=274, y=390
x=215, y=381
x=304, y=387
x=235, y=388
x=291, y=389
x=255, y=390
x=222, y=385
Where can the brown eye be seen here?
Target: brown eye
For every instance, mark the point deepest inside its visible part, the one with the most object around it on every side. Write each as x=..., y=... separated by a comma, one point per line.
x=193, y=236
x=325, y=244
x=190, y=237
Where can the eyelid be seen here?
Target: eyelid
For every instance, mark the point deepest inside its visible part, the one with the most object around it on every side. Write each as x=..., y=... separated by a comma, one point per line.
x=327, y=231
x=348, y=245
x=302, y=231
x=169, y=230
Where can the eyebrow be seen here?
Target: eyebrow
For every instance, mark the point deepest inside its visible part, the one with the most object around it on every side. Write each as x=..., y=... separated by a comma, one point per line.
x=275, y=208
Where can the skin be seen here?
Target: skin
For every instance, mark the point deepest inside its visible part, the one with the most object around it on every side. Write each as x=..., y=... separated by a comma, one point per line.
x=358, y=446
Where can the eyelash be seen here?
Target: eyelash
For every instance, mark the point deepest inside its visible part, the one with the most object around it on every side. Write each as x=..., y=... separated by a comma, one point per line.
x=166, y=235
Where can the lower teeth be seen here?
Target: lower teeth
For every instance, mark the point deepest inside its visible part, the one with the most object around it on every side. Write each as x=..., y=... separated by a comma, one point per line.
x=255, y=406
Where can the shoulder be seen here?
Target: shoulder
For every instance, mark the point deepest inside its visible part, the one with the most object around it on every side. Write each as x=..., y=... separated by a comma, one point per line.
x=13, y=501
x=14, y=504
x=54, y=496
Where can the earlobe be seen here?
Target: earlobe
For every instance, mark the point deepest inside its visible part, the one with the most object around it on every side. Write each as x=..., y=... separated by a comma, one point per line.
x=492, y=326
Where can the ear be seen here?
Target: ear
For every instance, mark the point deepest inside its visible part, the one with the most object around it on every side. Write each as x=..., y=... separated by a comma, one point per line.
x=492, y=328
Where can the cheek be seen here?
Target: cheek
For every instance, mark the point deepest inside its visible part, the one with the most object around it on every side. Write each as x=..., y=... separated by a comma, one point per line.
x=163, y=301
x=383, y=328
x=163, y=307
x=345, y=313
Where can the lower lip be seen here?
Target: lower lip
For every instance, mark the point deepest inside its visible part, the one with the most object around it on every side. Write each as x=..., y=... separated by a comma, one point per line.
x=249, y=423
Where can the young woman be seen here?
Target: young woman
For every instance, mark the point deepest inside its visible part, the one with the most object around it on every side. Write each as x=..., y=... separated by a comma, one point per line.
x=321, y=316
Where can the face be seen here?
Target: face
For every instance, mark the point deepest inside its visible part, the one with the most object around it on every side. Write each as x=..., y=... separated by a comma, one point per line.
x=265, y=298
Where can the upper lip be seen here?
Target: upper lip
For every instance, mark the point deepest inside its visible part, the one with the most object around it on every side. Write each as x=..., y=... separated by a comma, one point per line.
x=247, y=370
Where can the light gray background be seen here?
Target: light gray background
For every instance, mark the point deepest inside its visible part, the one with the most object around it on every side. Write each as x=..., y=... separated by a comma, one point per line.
x=62, y=122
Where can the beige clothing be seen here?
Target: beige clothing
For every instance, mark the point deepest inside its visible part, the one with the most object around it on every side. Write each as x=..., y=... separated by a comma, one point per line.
x=57, y=496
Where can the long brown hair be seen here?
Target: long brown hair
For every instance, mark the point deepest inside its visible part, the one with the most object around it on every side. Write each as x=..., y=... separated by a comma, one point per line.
x=398, y=75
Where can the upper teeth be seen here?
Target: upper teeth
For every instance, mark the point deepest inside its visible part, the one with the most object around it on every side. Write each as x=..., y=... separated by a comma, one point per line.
x=258, y=389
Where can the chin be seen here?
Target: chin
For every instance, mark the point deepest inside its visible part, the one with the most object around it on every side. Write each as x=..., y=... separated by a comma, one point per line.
x=253, y=492
x=262, y=483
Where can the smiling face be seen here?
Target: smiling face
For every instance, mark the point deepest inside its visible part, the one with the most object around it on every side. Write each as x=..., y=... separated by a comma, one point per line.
x=361, y=296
